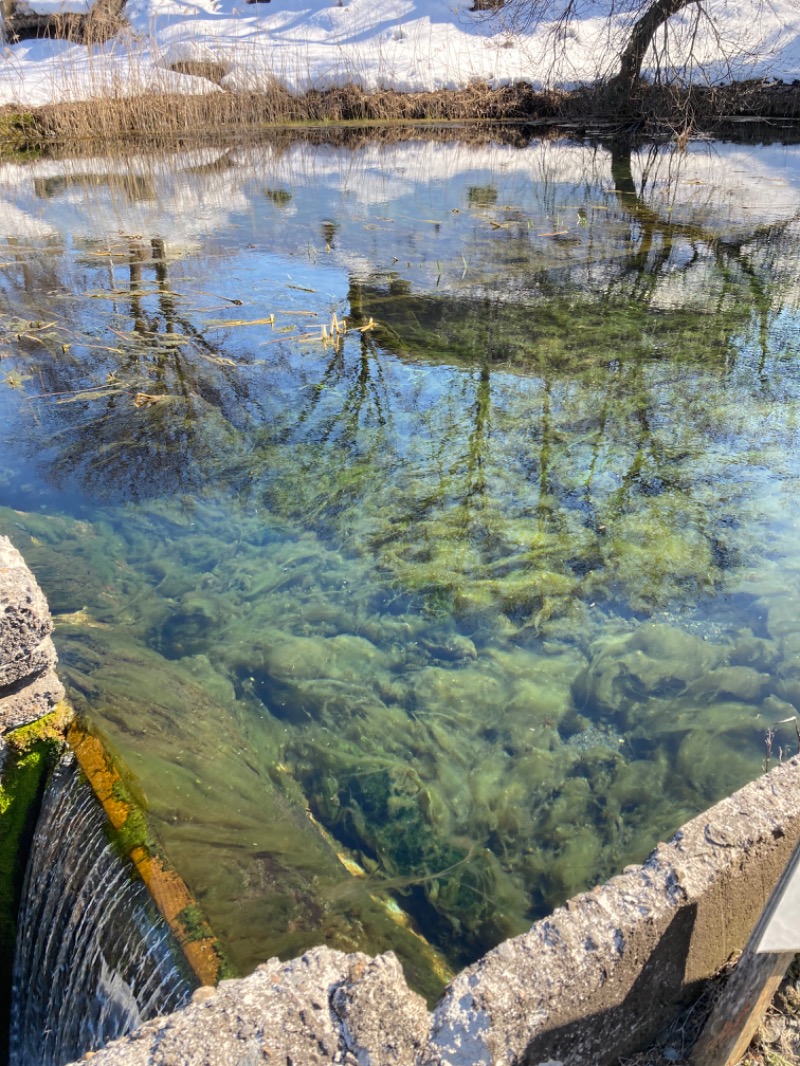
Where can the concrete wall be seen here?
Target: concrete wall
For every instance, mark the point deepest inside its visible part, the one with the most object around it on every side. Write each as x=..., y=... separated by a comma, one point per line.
x=29, y=687
x=595, y=980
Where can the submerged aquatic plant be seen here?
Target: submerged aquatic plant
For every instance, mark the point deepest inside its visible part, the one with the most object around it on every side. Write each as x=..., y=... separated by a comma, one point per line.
x=443, y=613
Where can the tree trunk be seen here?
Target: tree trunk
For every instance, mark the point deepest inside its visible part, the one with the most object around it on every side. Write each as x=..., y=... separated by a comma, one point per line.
x=641, y=36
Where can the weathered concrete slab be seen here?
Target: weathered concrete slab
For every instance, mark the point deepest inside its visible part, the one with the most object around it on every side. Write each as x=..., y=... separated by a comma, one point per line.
x=321, y=1008
x=29, y=687
x=30, y=702
x=595, y=980
x=604, y=973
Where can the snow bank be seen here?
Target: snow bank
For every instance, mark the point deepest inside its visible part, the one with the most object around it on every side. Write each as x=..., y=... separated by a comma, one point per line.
x=408, y=45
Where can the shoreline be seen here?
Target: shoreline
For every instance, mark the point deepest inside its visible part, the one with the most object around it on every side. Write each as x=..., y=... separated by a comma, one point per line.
x=348, y=114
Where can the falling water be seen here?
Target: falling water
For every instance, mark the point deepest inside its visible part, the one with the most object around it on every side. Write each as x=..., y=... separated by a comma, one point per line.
x=93, y=956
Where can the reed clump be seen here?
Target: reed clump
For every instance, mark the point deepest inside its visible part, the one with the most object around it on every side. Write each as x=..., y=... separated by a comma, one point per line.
x=119, y=119
x=113, y=117
x=19, y=132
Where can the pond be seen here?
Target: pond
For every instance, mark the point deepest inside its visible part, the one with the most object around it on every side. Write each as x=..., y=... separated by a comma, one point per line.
x=420, y=519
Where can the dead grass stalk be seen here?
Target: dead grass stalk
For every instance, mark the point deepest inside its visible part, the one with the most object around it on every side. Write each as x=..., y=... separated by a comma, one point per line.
x=114, y=119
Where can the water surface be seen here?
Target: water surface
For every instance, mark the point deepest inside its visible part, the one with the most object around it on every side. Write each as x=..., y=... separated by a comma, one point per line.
x=405, y=633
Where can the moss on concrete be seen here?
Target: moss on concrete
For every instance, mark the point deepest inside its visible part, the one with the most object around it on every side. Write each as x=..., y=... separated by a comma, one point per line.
x=131, y=834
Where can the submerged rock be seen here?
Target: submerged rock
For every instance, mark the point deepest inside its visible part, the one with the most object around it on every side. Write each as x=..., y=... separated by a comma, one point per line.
x=305, y=678
x=452, y=648
x=655, y=661
x=441, y=691
x=789, y=666
x=730, y=682
x=781, y=612
x=341, y=658
x=188, y=628
x=709, y=761
x=754, y=652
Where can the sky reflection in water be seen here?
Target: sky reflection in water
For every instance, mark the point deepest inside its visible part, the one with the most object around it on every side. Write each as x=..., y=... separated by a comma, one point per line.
x=489, y=593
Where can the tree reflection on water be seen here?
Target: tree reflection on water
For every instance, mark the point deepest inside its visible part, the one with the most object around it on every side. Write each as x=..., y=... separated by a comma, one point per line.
x=481, y=583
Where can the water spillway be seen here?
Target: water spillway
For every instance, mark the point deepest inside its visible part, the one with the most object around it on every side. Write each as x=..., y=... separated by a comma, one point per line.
x=93, y=956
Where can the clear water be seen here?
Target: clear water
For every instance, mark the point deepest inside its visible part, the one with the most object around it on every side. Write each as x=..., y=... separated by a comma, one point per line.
x=488, y=594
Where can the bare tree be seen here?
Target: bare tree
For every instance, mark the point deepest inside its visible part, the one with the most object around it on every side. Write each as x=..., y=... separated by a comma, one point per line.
x=644, y=29
x=636, y=30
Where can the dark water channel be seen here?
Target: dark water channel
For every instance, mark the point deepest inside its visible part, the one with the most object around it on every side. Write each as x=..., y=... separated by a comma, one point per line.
x=404, y=634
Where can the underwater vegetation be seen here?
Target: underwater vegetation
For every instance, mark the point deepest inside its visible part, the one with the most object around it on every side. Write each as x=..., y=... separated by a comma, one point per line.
x=408, y=628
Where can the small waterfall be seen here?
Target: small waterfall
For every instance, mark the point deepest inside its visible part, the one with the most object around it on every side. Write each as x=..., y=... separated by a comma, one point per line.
x=93, y=956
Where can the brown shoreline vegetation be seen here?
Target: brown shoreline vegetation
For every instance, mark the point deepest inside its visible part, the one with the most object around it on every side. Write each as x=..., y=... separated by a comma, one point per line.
x=654, y=112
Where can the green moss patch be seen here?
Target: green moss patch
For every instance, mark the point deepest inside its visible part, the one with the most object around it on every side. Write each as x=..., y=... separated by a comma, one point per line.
x=194, y=922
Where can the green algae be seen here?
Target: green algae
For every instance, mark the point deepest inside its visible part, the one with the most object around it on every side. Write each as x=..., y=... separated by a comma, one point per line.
x=135, y=833
x=194, y=923
x=22, y=784
x=456, y=774
x=474, y=603
x=389, y=817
